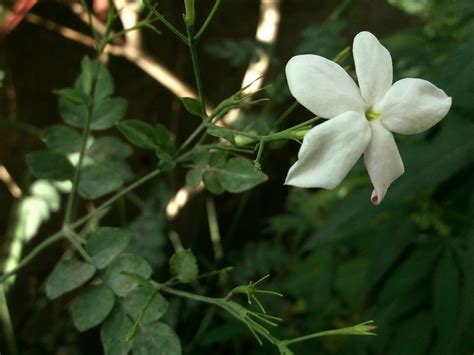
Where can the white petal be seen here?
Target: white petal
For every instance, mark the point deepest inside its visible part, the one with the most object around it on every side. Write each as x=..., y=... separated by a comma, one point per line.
x=322, y=86
x=373, y=65
x=382, y=160
x=412, y=106
x=329, y=151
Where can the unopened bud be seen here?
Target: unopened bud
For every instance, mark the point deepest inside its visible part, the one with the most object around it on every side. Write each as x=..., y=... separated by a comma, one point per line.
x=190, y=14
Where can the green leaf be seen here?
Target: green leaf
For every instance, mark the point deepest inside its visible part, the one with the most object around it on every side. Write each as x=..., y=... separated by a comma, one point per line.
x=220, y=132
x=192, y=105
x=92, y=306
x=62, y=139
x=49, y=165
x=68, y=275
x=409, y=274
x=105, y=244
x=412, y=7
x=194, y=177
x=446, y=294
x=123, y=284
x=98, y=180
x=156, y=338
x=218, y=159
x=183, y=265
x=72, y=95
x=163, y=138
x=412, y=337
x=136, y=301
x=212, y=182
x=104, y=85
x=73, y=112
x=114, y=332
x=239, y=175
x=139, y=133
x=107, y=112
x=106, y=148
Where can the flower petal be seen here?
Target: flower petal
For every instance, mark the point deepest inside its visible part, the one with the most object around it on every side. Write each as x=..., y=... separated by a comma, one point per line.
x=382, y=160
x=322, y=86
x=373, y=65
x=329, y=151
x=412, y=106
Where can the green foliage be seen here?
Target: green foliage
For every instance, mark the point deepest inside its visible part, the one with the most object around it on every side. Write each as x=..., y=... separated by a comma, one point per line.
x=92, y=306
x=239, y=175
x=192, y=105
x=446, y=295
x=63, y=140
x=49, y=165
x=413, y=7
x=91, y=102
x=122, y=284
x=68, y=275
x=237, y=52
x=98, y=180
x=114, y=332
x=104, y=85
x=406, y=263
x=220, y=174
x=104, y=244
x=139, y=133
x=221, y=132
x=322, y=39
x=156, y=338
x=183, y=265
x=145, y=304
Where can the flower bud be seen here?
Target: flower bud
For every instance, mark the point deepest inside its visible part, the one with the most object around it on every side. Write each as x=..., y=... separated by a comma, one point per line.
x=190, y=14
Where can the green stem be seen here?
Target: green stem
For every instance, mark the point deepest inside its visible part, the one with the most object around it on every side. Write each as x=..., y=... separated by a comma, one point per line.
x=85, y=135
x=344, y=331
x=115, y=197
x=165, y=22
x=189, y=140
x=74, y=239
x=27, y=259
x=59, y=235
x=209, y=18
x=197, y=72
x=214, y=301
x=7, y=323
x=261, y=146
x=90, y=110
x=286, y=114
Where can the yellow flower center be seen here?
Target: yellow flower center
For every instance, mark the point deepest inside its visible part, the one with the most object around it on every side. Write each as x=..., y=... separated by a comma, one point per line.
x=370, y=115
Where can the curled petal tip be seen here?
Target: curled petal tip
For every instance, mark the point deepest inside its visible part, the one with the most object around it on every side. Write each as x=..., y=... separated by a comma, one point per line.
x=375, y=198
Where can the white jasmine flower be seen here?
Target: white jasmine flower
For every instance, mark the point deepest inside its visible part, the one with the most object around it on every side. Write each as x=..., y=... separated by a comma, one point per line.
x=361, y=118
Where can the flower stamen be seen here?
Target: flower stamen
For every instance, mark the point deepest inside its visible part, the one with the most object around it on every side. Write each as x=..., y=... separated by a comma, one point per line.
x=370, y=115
